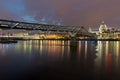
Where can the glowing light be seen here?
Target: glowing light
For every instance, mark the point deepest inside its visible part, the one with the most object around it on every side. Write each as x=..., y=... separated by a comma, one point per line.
x=53, y=36
x=86, y=48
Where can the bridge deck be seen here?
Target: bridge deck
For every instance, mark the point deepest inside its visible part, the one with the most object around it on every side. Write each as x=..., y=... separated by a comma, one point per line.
x=10, y=24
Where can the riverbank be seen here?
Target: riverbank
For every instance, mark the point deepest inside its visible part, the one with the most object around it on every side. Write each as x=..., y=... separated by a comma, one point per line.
x=14, y=40
x=76, y=39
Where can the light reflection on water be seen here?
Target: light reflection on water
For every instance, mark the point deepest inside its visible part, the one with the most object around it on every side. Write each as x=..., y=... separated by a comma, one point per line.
x=108, y=59
x=95, y=60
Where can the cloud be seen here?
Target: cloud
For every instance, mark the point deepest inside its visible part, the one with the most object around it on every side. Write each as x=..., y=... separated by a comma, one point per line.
x=88, y=13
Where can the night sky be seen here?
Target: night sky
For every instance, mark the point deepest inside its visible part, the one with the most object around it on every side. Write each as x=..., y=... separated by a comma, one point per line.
x=88, y=13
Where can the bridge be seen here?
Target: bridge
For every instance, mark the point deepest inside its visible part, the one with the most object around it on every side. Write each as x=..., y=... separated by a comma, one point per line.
x=72, y=31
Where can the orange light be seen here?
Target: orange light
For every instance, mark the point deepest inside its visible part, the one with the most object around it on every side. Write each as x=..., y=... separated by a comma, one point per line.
x=53, y=36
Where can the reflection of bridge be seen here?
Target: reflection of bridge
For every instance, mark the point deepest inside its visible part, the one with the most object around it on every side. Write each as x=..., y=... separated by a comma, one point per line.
x=71, y=30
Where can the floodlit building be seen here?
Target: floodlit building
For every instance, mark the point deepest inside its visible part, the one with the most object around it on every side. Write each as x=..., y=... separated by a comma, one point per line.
x=103, y=27
x=104, y=32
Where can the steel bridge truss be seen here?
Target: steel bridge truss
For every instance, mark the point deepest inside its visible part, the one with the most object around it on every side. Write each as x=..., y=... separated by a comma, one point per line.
x=71, y=30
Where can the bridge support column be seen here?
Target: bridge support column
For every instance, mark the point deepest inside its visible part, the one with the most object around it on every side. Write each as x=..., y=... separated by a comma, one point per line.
x=72, y=36
x=73, y=41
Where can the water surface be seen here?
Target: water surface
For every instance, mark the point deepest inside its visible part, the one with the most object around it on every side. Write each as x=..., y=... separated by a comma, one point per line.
x=60, y=60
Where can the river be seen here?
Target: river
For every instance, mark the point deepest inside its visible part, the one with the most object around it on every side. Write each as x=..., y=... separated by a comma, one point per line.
x=60, y=60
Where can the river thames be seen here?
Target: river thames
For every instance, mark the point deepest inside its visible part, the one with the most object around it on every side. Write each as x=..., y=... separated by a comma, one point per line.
x=60, y=60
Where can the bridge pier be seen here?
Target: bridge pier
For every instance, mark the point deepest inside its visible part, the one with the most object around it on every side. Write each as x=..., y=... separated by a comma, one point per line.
x=73, y=40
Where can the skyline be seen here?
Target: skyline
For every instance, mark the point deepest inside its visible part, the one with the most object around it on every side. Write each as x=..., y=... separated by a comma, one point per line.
x=75, y=12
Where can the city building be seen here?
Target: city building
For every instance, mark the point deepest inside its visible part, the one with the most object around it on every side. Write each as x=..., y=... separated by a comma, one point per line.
x=105, y=32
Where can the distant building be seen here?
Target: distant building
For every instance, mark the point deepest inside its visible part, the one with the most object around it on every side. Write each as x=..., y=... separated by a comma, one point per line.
x=106, y=33
x=103, y=27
